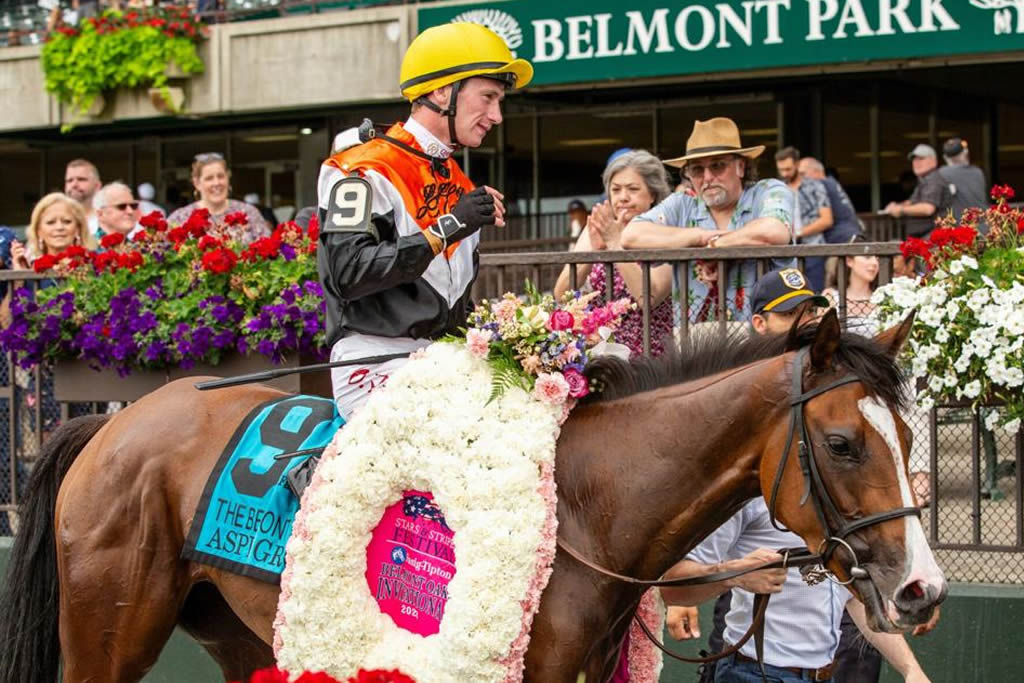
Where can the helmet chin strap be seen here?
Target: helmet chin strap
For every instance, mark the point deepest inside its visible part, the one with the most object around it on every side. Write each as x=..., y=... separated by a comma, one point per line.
x=448, y=112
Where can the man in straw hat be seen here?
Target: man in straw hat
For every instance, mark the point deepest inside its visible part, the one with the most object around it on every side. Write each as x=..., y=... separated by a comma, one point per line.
x=731, y=208
x=399, y=220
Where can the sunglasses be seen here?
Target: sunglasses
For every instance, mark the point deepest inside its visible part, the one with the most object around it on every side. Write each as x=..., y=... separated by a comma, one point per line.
x=717, y=168
x=208, y=156
x=124, y=206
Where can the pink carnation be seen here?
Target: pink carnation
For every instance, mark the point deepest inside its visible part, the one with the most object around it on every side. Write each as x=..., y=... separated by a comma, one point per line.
x=551, y=387
x=560, y=320
x=578, y=384
x=505, y=310
x=479, y=342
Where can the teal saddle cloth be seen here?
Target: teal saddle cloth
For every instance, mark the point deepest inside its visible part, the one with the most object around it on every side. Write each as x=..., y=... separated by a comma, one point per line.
x=244, y=518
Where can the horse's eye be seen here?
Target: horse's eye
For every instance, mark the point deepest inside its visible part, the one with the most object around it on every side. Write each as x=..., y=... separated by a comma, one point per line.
x=839, y=446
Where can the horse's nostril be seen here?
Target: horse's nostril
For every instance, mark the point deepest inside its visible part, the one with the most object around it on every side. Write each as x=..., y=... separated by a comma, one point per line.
x=913, y=593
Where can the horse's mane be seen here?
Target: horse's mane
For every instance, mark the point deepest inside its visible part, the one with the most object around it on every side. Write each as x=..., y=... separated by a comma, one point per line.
x=702, y=355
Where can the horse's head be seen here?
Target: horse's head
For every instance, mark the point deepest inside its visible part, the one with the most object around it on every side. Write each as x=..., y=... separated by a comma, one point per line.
x=837, y=469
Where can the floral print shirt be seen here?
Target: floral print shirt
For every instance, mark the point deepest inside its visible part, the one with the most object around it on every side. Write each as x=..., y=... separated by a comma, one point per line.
x=631, y=332
x=769, y=198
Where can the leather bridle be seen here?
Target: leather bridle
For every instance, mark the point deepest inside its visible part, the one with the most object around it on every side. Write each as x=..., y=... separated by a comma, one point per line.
x=825, y=508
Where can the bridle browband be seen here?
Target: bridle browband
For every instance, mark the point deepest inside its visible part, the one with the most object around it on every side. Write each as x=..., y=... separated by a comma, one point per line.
x=824, y=507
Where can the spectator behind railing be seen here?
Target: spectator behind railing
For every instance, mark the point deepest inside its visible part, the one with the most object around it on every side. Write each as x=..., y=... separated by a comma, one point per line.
x=81, y=183
x=732, y=208
x=117, y=211
x=211, y=179
x=634, y=182
x=57, y=222
x=814, y=211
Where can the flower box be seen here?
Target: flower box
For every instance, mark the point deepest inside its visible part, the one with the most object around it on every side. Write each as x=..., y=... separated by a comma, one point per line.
x=75, y=381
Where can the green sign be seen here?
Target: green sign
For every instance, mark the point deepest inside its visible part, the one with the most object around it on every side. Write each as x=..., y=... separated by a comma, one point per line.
x=573, y=41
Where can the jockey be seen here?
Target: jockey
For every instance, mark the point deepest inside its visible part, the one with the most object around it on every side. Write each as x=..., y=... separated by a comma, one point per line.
x=398, y=249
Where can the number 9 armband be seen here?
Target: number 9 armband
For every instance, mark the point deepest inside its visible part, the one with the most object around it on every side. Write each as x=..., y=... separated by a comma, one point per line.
x=348, y=208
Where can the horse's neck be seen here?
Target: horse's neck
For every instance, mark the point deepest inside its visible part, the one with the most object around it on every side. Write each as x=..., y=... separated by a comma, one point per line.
x=691, y=462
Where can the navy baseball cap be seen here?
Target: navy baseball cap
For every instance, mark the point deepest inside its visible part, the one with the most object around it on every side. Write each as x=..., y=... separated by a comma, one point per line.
x=782, y=290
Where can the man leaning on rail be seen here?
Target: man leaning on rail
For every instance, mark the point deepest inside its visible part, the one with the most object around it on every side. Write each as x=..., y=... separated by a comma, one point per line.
x=731, y=209
x=399, y=220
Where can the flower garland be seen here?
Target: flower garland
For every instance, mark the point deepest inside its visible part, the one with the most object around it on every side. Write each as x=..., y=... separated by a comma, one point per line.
x=275, y=675
x=968, y=334
x=433, y=428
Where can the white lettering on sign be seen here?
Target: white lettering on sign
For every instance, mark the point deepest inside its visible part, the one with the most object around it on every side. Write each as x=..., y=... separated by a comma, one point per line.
x=547, y=34
x=707, y=28
x=853, y=13
x=818, y=12
x=932, y=10
x=602, y=37
x=741, y=26
x=645, y=33
x=771, y=7
x=893, y=9
x=579, y=37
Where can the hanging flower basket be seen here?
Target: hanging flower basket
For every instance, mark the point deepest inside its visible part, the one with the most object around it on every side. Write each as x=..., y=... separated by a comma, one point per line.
x=133, y=49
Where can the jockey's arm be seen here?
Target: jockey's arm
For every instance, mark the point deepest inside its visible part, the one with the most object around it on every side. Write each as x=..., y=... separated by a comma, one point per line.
x=893, y=646
x=361, y=251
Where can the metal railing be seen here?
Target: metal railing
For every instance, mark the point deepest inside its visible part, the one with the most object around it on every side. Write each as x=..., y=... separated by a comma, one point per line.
x=976, y=519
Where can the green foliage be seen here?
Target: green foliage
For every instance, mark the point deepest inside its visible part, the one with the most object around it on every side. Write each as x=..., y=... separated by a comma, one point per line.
x=120, y=50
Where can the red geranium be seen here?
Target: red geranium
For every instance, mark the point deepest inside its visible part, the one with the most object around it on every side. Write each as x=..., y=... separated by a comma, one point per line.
x=130, y=260
x=153, y=221
x=207, y=242
x=177, y=235
x=44, y=263
x=112, y=240
x=198, y=223
x=236, y=218
x=314, y=228
x=1002, y=192
x=265, y=248
x=104, y=261
x=219, y=261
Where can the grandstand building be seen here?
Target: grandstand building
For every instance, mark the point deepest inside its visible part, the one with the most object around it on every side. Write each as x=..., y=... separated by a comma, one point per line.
x=856, y=83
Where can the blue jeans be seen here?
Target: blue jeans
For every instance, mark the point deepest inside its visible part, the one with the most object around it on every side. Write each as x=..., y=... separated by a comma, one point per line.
x=731, y=670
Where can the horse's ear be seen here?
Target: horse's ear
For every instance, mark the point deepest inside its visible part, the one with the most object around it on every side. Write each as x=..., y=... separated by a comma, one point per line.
x=893, y=339
x=793, y=337
x=826, y=341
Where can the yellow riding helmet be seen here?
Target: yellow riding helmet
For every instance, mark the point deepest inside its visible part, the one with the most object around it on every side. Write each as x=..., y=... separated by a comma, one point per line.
x=452, y=52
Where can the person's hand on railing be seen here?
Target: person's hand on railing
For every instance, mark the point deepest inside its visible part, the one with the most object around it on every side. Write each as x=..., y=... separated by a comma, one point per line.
x=19, y=256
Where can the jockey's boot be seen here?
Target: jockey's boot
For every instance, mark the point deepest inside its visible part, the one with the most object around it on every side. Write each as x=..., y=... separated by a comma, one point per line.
x=299, y=477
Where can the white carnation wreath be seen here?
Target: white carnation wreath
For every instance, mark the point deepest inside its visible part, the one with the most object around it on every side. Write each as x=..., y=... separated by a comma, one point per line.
x=431, y=429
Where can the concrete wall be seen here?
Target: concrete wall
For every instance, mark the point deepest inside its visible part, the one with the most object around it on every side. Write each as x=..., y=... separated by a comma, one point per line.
x=976, y=641
x=272, y=64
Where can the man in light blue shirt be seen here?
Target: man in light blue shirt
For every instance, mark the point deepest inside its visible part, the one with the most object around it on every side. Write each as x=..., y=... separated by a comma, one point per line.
x=731, y=209
x=801, y=630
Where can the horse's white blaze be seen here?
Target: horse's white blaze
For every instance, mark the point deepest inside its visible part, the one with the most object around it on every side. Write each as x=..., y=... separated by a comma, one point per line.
x=920, y=562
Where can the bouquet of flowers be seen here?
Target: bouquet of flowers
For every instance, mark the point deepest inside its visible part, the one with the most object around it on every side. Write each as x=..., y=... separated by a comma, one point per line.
x=275, y=675
x=542, y=345
x=968, y=336
x=173, y=296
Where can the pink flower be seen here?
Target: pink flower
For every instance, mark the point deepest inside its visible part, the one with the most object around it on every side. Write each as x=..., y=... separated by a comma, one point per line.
x=531, y=364
x=551, y=387
x=505, y=310
x=578, y=384
x=479, y=342
x=560, y=320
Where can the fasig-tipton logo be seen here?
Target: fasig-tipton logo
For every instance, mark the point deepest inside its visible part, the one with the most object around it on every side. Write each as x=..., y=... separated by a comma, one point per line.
x=502, y=23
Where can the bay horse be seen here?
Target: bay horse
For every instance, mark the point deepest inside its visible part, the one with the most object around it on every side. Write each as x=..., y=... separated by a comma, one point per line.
x=670, y=449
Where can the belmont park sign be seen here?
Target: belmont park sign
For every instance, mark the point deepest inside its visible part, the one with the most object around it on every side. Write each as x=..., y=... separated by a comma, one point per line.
x=573, y=41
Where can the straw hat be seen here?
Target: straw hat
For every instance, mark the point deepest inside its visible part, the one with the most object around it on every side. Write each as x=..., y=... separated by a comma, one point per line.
x=712, y=137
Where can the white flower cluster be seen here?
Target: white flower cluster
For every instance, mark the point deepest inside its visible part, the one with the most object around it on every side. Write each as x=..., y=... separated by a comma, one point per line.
x=431, y=429
x=968, y=334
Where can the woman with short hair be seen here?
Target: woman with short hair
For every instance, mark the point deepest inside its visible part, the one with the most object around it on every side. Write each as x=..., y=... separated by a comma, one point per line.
x=634, y=182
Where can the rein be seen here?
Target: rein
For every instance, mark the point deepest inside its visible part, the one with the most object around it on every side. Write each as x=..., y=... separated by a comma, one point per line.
x=824, y=507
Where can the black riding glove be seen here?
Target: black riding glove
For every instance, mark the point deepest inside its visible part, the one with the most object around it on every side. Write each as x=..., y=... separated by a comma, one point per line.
x=473, y=211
